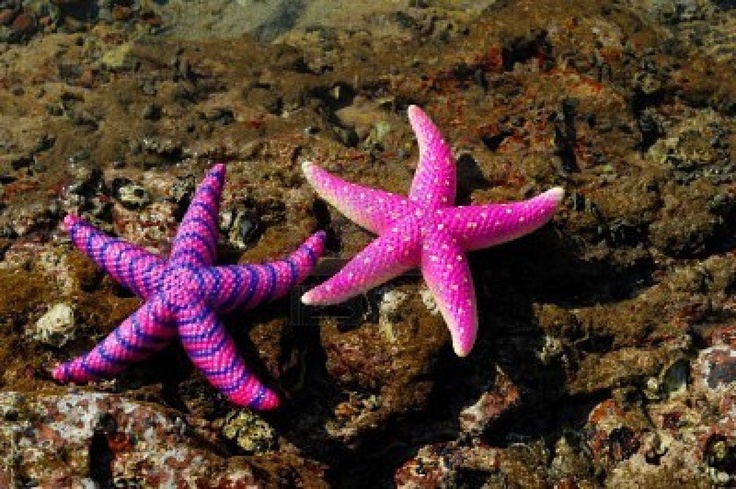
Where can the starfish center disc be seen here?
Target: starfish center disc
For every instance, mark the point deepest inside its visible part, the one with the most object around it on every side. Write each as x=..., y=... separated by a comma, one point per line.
x=182, y=284
x=430, y=222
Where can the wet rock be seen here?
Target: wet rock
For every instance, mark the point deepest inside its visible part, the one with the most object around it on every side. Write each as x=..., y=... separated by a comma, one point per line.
x=265, y=98
x=56, y=439
x=687, y=225
x=88, y=193
x=73, y=24
x=389, y=311
x=697, y=146
x=151, y=225
x=119, y=58
x=44, y=142
x=29, y=219
x=642, y=116
x=491, y=405
x=56, y=327
x=121, y=13
x=673, y=381
x=7, y=15
x=614, y=433
x=716, y=366
x=16, y=161
x=242, y=227
x=219, y=115
x=572, y=461
x=23, y=26
x=455, y=465
x=346, y=135
x=678, y=10
x=389, y=366
x=720, y=454
x=130, y=194
x=164, y=147
x=151, y=112
x=249, y=432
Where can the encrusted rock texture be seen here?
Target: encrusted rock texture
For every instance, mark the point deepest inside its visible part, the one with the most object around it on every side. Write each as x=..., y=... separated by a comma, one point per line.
x=606, y=354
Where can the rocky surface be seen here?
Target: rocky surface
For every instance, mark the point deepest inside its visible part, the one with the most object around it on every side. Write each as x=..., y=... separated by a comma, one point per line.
x=606, y=348
x=79, y=439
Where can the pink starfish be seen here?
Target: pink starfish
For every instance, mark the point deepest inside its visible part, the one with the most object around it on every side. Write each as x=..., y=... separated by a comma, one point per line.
x=183, y=295
x=424, y=230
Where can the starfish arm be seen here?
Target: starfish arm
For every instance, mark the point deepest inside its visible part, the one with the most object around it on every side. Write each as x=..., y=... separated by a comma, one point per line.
x=447, y=273
x=487, y=225
x=386, y=257
x=130, y=265
x=196, y=240
x=146, y=331
x=213, y=351
x=247, y=285
x=435, y=178
x=370, y=208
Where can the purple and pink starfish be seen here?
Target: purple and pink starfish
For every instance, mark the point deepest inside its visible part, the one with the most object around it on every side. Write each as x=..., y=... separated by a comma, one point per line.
x=424, y=230
x=183, y=296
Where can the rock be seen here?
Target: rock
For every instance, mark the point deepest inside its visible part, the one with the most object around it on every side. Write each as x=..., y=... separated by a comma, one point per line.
x=24, y=26
x=715, y=371
x=242, y=227
x=675, y=11
x=7, y=15
x=131, y=195
x=688, y=225
x=456, y=465
x=618, y=297
x=249, y=432
x=491, y=405
x=121, y=12
x=389, y=311
x=119, y=58
x=56, y=327
x=90, y=439
x=151, y=112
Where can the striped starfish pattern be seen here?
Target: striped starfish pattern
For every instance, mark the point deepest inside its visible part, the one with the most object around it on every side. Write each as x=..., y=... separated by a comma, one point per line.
x=183, y=297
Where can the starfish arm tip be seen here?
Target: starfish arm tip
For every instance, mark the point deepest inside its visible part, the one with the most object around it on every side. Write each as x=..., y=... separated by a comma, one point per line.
x=308, y=169
x=316, y=297
x=556, y=193
x=463, y=339
x=308, y=298
x=460, y=349
x=70, y=220
x=270, y=401
x=57, y=373
x=416, y=116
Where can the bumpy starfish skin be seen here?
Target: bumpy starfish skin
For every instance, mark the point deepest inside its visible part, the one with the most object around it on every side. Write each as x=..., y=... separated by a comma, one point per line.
x=183, y=296
x=424, y=230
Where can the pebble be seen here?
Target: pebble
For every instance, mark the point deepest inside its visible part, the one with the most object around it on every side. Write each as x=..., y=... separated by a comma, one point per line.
x=56, y=327
x=151, y=112
x=242, y=227
x=24, y=25
x=7, y=15
x=131, y=195
x=251, y=433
